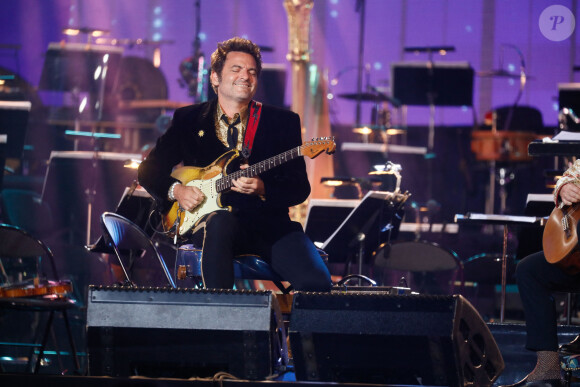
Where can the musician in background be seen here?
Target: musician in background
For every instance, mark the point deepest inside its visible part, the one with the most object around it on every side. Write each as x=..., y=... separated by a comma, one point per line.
x=259, y=222
x=537, y=279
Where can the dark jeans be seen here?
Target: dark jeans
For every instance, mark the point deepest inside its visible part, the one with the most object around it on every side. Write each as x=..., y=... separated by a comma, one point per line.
x=292, y=255
x=537, y=280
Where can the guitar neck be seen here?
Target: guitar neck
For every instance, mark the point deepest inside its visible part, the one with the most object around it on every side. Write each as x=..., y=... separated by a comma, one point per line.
x=226, y=182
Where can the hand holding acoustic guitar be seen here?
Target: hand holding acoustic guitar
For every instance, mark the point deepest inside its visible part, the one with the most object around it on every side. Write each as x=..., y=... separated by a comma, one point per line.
x=560, y=239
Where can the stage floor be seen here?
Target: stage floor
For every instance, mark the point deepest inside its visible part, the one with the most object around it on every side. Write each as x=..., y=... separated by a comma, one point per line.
x=510, y=338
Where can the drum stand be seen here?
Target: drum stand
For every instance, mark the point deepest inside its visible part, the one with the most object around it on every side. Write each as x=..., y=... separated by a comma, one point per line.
x=505, y=221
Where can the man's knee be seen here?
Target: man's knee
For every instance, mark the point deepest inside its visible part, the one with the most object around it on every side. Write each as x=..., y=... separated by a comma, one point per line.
x=223, y=222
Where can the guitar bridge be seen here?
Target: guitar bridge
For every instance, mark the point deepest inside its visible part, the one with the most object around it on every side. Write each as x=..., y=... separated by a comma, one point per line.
x=566, y=226
x=564, y=222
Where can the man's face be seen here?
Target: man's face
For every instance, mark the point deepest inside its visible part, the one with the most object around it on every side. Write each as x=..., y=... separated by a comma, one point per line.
x=239, y=78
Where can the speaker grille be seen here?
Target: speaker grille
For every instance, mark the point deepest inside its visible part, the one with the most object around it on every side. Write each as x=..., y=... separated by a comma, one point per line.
x=385, y=338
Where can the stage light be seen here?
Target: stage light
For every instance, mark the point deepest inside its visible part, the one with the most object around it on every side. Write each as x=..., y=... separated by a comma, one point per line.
x=71, y=31
x=332, y=183
x=365, y=130
x=132, y=163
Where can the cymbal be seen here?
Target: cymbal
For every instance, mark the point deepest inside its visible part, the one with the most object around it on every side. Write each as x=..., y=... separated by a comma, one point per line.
x=501, y=74
x=370, y=97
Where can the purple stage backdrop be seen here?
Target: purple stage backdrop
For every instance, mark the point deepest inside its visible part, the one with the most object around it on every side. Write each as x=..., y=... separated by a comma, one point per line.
x=485, y=34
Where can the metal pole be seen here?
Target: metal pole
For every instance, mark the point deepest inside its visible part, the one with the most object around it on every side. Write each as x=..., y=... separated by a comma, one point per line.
x=360, y=7
x=503, y=273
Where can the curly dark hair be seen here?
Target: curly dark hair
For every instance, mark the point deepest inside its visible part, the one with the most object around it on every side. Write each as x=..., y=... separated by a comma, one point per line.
x=218, y=57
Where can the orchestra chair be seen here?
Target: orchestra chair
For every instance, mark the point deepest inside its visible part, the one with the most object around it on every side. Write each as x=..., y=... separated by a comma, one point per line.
x=246, y=267
x=139, y=258
x=37, y=294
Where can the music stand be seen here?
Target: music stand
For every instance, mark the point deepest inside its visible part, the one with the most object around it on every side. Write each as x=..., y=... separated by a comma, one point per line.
x=72, y=66
x=433, y=84
x=569, y=97
x=368, y=225
x=13, y=122
x=324, y=216
x=71, y=175
x=76, y=68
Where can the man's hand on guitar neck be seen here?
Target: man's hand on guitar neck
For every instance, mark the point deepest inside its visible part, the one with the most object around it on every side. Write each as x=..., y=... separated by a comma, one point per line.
x=249, y=185
x=188, y=197
x=570, y=193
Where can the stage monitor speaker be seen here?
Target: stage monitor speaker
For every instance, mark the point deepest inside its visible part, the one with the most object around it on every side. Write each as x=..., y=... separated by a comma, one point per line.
x=391, y=339
x=183, y=333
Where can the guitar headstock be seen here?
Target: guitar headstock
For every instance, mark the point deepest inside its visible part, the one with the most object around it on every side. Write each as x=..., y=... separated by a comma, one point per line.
x=317, y=146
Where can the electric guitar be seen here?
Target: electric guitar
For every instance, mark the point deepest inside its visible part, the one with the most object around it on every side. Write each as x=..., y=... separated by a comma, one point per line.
x=560, y=240
x=213, y=180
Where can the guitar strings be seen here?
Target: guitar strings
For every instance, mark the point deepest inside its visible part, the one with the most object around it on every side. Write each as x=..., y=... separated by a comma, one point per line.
x=227, y=181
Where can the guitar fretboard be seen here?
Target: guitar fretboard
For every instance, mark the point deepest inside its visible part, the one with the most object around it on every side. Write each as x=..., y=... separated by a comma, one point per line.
x=226, y=182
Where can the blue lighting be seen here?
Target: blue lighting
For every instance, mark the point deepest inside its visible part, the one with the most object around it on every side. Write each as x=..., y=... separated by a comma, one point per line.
x=90, y=134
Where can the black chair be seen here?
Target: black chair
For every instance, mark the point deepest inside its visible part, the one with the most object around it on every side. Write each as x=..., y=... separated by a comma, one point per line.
x=139, y=258
x=246, y=267
x=35, y=293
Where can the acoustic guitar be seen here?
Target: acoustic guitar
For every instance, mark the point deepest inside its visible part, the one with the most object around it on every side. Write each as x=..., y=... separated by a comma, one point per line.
x=214, y=180
x=560, y=239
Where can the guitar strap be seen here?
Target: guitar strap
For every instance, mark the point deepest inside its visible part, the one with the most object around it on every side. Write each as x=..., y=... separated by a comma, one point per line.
x=251, y=127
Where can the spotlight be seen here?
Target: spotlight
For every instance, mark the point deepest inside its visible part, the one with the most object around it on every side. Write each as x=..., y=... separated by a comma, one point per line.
x=132, y=163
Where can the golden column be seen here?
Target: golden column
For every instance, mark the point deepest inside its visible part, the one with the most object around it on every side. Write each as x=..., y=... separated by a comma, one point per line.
x=298, y=49
x=308, y=90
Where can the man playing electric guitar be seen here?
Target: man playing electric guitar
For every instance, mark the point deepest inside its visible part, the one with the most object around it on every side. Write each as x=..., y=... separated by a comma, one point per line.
x=537, y=279
x=258, y=222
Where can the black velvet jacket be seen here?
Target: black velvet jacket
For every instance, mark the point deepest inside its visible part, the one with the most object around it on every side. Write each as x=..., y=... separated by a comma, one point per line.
x=192, y=139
